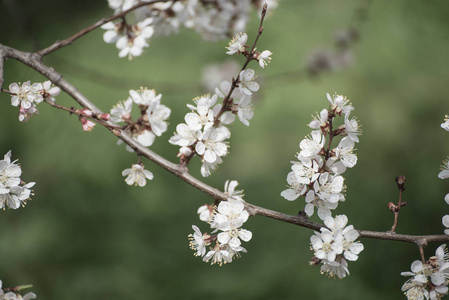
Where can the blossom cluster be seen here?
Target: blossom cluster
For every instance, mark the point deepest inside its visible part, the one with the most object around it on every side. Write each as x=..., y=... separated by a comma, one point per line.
x=228, y=218
x=151, y=123
x=430, y=278
x=334, y=245
x=213, y=20
x=12, y=295
x=204, y=132
x=13, y=191
x=317, y=173
x=27, y=96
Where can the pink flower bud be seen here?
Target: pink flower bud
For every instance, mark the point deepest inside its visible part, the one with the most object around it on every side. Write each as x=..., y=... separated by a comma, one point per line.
x=86, y=112
x=104, y=116
x=87, y=124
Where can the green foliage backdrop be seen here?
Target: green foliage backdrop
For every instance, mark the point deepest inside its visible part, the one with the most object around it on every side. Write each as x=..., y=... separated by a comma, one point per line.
x=87, y=235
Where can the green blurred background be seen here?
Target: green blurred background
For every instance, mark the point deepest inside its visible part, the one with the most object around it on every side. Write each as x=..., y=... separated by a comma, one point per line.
x=87, y=235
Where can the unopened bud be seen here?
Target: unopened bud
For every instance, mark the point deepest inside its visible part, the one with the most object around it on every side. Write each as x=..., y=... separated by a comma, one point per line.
x=400, y=180
x=86, y=112
x=403, y=203
x=104, y=116
x=87, y=124
x=314, y=261
x=117, y=132
x=393, y=207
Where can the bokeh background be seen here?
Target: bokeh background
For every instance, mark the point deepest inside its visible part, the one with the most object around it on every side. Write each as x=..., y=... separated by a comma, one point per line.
x=87, y=235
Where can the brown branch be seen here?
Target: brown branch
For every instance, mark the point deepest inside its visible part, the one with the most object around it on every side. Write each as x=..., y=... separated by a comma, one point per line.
x=59, y=44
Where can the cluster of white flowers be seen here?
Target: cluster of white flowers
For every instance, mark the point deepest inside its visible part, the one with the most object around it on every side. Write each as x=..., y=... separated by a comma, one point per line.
x=228, y=217
x=334, y=245
x=317, y=174
x=153, y=115
x=27, y=96
x=204, y=132
x=213, y=20
x=9, y=295
x=13, y=191
x=430, y=278
x=151, y=123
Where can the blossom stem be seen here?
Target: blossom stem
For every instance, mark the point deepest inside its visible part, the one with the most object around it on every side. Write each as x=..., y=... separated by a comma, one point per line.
x=249, y=57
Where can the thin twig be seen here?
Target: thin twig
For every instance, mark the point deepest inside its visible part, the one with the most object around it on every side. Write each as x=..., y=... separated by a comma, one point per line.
x=59, y=44
x=75, y=111
x=249, y=58
x=2, y=61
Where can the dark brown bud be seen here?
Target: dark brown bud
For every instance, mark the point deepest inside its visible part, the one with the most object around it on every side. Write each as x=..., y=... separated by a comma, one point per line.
x=400, y=180
x=403, y=203
x=314, y=261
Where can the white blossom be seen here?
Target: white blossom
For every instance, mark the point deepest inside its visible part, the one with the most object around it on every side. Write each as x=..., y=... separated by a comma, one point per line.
x=264, y=58
x=137, y=175
x=229, y=189
x=13, y=192
x=237, y=44
x=26, y=94
x=49, y=92
x=157, y=116
x=205, y=213
x=15, y=196
x=338, y=267
x=204, y=116
x=121, y=112
x=327, y=244
x=320, y=122
x=218, y=256
x=198, y=241
x=312, y=145
x=296, y=189
x=132, y=44
x=247, y=85
x=211, y=145
x=323, y=206
x=344, y=151
x=144, y=96
x=184, y=136
x=339, y=104
x=245, y=109
x=445, y=125
x=306, y=171
x=444, y=170
x=352, y=128
x=207, y=168
x=9, y=172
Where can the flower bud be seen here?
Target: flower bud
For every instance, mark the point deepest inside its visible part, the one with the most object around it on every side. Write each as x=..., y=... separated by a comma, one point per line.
x=400, y=180
x=104, y=116
x=393, y=207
